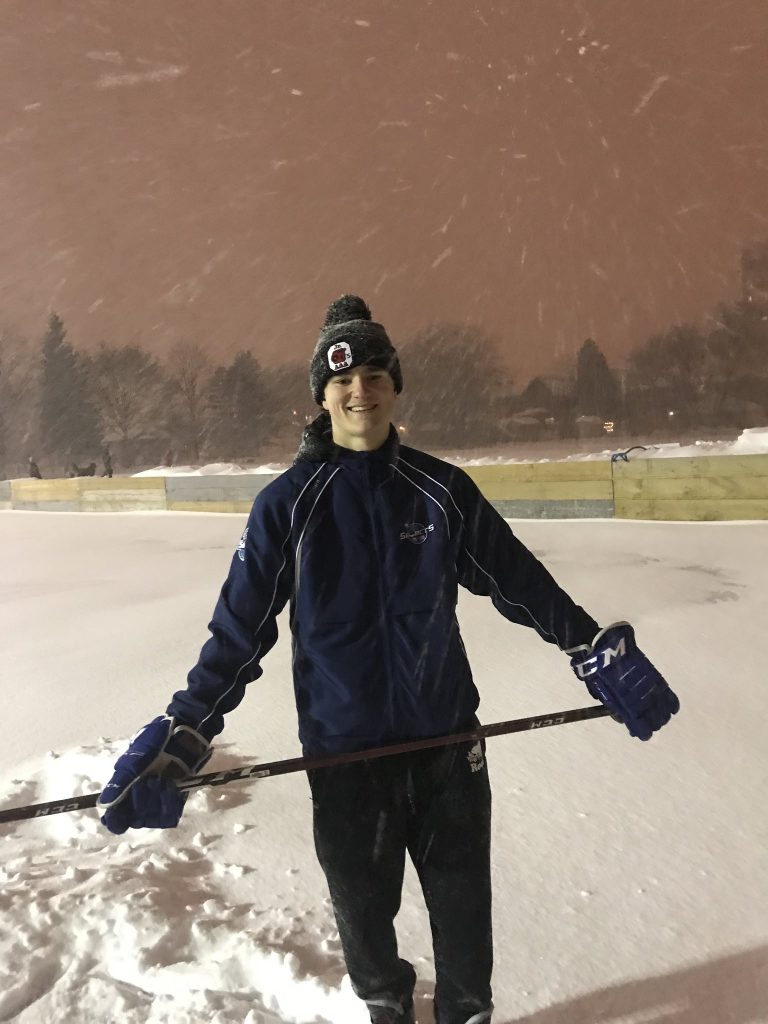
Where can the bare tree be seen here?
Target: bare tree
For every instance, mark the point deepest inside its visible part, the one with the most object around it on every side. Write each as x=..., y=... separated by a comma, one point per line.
x=455, y=380
x=667, y=376
x=737, y=362
x=189, y=372
x=127, y=384
x=288, y=402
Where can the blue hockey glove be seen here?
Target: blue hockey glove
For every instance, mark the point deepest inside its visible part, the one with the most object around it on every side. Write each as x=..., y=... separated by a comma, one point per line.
x=619, y=675
x=142, y=793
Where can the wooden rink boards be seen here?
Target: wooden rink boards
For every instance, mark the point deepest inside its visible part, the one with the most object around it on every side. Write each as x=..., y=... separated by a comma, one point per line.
x=708, y=488
x=703, y=489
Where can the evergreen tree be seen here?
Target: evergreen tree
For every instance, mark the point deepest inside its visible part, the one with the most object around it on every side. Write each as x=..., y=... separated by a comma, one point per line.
x=536, y=395
x=3, y=435
x=239, y=420
x=19, y=372
x=596, y=391
x=69, y=424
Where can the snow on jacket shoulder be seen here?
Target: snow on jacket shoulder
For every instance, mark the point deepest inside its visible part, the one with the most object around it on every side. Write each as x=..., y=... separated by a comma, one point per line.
x=369, y=548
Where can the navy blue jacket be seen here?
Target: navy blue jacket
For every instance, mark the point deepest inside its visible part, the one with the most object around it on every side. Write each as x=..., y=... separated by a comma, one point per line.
x=369, y=548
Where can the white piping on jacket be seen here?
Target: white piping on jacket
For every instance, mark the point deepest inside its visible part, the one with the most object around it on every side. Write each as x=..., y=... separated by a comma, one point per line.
x=515, y=604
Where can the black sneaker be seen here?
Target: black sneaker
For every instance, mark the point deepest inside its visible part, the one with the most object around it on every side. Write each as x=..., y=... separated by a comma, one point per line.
x=391, y=1014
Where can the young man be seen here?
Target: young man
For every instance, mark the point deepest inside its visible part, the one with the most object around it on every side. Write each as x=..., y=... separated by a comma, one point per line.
x=369, y=540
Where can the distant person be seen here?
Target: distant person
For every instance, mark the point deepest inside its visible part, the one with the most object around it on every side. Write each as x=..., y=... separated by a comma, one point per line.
x=34, y=469
x=168, y=458
x=107, y=463
x=369, y=540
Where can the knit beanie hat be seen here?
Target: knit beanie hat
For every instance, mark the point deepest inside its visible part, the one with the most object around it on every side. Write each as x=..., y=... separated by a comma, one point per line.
x=349, y=338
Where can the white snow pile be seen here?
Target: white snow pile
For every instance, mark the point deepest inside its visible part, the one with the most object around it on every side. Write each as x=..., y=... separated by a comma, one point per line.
x=751, y=441
x=145, y=928
x=212, y=469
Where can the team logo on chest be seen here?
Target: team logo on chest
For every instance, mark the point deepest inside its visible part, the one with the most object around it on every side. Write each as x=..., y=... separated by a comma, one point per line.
x=416, y=533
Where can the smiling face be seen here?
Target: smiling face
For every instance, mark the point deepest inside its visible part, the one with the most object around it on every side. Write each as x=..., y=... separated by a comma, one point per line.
x=360, y=402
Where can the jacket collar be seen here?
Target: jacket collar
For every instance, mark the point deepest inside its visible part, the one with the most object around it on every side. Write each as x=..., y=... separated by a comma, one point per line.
x=317, y=445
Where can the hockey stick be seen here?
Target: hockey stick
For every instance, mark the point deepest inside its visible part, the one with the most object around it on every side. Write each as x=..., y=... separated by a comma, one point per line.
x=300, y=764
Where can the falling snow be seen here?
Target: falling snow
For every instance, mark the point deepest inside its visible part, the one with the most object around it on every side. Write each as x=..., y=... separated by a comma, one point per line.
x=139, y=77
x=657, y=84
x=633, y=136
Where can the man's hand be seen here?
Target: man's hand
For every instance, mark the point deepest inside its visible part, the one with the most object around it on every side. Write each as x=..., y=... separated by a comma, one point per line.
x=142, y=792
x=619, y=675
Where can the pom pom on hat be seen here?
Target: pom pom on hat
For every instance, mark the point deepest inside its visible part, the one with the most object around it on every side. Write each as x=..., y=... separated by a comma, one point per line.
x=350, y=337
x=348, y=307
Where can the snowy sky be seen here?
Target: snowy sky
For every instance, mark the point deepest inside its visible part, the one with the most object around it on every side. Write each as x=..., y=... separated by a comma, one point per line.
x=547, y=171
x=630, y=878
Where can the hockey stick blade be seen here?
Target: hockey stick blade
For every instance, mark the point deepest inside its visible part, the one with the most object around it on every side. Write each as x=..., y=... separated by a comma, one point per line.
x=299, y=764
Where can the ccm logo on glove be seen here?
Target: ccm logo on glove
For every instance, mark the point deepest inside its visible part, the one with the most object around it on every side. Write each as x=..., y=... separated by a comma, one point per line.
x=591, y=665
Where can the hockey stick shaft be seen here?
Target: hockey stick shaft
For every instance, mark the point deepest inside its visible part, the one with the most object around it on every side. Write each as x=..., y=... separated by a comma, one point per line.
x=300, y=764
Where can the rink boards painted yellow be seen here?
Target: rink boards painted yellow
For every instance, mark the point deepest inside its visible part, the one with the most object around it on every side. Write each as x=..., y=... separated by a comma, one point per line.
x=90, y=494
x=703, y=488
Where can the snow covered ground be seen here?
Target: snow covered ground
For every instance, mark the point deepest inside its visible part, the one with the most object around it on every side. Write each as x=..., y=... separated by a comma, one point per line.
x=631, y=880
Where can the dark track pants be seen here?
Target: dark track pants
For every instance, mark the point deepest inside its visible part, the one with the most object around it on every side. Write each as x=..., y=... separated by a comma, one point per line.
x=436, y=804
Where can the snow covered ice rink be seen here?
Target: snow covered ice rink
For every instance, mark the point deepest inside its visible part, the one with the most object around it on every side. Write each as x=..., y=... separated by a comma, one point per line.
x=631, y=880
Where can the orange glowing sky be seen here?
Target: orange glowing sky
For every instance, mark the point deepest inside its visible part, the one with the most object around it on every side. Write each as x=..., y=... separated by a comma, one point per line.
x=218, y=171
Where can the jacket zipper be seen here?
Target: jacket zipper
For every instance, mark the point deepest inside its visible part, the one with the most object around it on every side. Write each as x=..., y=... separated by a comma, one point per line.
x=384, y=617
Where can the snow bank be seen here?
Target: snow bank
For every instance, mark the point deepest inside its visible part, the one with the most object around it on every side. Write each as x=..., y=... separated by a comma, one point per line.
x=752, y=441
x=212, y=469
x=155, y=910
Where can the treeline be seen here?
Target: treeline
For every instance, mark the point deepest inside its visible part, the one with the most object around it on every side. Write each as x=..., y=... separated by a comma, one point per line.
x=683, y=379
x=64, y=406
x=716, y=376
x=686, y=378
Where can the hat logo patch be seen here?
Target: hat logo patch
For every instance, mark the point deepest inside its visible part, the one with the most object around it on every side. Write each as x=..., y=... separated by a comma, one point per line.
x=339, y=356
